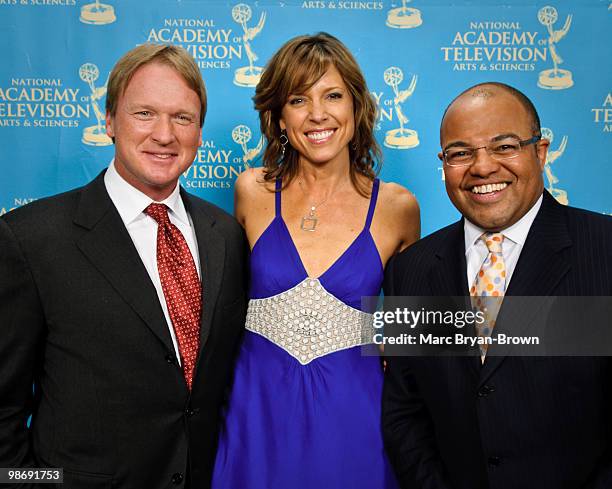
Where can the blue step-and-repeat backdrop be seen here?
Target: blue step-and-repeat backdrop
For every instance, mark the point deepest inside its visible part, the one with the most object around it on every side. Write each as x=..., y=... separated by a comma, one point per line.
x=416, y=55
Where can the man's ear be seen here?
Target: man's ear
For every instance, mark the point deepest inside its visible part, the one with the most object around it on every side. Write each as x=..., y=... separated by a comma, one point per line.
x=542, y=150
x=110, y=132
x=109, y=125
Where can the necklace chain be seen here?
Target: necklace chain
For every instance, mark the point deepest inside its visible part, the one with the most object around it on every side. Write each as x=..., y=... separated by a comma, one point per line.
x=309, y=222
x=313, y=207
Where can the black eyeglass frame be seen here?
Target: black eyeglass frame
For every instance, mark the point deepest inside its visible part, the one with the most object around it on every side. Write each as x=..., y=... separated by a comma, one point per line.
x=522, y=144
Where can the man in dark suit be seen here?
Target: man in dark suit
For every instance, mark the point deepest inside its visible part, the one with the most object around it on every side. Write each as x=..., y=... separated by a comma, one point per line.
x=495, y=421
x=122, y=302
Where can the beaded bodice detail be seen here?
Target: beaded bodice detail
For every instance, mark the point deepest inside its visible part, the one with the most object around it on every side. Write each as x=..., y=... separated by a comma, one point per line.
x=305, y=316
x=308, y=322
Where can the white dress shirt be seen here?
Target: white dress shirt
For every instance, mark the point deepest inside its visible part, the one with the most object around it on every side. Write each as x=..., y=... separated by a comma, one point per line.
x=130, y=203
x=514, y=239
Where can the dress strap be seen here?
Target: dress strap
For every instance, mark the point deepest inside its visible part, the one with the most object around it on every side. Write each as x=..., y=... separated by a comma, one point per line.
x=373, y=199
x=277, y=196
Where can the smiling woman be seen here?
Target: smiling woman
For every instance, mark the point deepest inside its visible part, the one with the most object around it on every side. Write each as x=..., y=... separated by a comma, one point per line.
x=319, y=123
x=299, y=65
x=305, y=407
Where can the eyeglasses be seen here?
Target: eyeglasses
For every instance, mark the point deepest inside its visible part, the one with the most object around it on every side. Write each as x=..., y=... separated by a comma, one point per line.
x=502, y=150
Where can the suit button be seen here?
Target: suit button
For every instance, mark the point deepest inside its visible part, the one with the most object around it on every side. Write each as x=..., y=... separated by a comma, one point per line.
x=170, y=359
x=485, y=390
x=494, y=461
x=177, y=478
x=189, y=412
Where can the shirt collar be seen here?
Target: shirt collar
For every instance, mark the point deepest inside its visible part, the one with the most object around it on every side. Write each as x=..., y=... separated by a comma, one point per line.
x=131, y=202
x=517, y=233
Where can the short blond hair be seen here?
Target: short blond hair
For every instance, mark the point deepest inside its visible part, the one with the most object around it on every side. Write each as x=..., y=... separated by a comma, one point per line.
x=173, y=56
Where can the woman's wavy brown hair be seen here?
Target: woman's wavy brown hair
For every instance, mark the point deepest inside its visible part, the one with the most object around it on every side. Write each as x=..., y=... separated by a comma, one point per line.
x=296, y=67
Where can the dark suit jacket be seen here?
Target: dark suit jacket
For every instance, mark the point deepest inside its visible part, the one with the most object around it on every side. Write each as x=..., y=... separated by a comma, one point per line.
x=514, y=422
x=80, y=319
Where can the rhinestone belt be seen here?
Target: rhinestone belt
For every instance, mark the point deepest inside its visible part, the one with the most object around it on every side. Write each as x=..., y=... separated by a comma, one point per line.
x=308, y=322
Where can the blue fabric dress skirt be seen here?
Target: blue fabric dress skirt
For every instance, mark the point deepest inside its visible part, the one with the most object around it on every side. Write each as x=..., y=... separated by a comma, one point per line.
x=305, y=406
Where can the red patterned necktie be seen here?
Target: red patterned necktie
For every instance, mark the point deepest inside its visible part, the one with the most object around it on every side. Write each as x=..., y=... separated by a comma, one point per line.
x=181, y=287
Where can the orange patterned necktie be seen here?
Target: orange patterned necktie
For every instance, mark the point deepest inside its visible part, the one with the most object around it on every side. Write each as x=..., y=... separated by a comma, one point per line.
x=181, y=287
x=489, y=284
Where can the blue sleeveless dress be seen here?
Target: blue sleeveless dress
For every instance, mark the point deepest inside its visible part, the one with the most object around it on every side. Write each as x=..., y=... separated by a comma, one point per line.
x=305, y=406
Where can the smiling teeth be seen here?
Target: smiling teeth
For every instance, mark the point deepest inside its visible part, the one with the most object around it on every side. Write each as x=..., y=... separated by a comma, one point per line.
x=164, y=156
x=487, y=189
x=319, y=135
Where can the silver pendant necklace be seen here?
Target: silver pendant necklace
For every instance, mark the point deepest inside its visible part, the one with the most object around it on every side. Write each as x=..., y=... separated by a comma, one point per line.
x=309, y=222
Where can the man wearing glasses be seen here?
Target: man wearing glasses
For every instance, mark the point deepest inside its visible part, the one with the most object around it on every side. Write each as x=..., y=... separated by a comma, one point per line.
x=488, y=420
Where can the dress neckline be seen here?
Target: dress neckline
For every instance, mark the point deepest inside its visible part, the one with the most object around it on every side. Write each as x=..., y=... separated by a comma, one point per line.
x=364, y=232
x=298, y=257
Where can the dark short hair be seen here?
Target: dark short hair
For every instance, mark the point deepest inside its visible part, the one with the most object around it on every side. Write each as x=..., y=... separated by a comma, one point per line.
x=514, y=92
x=296, y=67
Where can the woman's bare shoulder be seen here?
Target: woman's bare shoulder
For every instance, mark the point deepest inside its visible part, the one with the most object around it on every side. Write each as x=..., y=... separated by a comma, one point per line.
x=251, y=183
x=398, y=199
x=400, y=212
x=253, y=197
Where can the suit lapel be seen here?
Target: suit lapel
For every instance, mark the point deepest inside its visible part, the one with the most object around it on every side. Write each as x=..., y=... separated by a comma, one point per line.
x=449, y=273
x=449, y=278
x=110, y=249
x=541, y=266
x=211, y=247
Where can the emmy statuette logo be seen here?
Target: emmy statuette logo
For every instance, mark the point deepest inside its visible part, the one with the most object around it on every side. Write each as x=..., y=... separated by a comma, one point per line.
x=94, y=135
x=242, y=135
x=555, y=78
x=248, y=76
x=404, y=17
x=400, y=138
x=551, y=157
x=97, y=13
